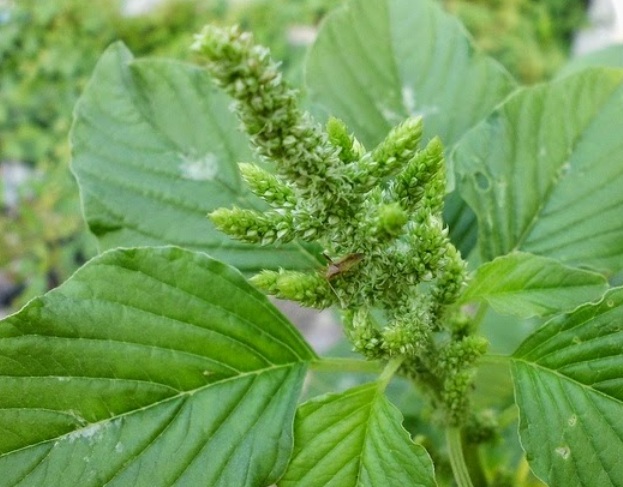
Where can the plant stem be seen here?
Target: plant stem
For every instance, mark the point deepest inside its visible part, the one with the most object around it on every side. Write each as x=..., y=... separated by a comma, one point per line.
x=390, y=369
x=474, y=464
x=335, y=364
x=457, y=461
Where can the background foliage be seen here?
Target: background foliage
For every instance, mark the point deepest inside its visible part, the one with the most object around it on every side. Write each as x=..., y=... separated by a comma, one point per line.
x=531, y=38
x=48, y=51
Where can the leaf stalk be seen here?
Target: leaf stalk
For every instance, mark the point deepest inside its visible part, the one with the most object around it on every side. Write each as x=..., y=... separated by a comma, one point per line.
x=457, y=460
x=338, y=364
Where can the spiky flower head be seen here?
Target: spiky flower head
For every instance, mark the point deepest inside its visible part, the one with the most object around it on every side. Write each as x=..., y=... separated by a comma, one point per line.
x=377, y=214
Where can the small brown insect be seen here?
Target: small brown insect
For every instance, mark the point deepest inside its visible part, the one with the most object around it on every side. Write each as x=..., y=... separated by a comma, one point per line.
x=343, y=265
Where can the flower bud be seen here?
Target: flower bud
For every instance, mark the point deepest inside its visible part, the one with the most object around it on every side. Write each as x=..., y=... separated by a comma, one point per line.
x=309, y=289
x=253, y=226
x=392, y=219
x=267, y=186
x=399, y=146
x=412, y=184
x=340, y=138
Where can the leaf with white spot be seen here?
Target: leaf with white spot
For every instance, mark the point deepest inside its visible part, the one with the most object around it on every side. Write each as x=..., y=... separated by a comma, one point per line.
x=149, y=367
x=355, y=438
x=568, y=379
x=155, y=149
x=378, y=62
x=544, y=172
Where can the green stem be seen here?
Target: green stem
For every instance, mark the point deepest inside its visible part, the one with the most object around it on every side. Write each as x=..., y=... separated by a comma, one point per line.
x=335, y=364
x=390, y=369
x=457, y=460
x=474, y=464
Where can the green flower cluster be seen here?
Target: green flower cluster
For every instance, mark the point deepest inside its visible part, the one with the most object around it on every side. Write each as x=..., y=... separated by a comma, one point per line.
x=377, y=214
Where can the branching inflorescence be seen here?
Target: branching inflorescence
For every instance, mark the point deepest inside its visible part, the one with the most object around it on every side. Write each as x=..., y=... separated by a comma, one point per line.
x=377, y=213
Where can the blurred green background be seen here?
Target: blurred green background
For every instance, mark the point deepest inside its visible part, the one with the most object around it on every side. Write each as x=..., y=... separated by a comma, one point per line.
x=49, y=48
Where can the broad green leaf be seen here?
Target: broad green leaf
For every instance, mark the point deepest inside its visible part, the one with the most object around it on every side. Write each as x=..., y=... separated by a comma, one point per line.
x=355, y=438
x=568, y=380
x=149, y=367
x=611, y=56
x=544, y=172
x=155, y=149
x=528, y=285
x=376, y=63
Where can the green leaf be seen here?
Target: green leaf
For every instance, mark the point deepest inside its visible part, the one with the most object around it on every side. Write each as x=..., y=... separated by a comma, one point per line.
x=462, y=223
x=155, y=149
x=544, y=172
x=355, y=438
x=505, y=332
x=528, y=285
x=376, y=63
x=149, y=367
x=568, y=380
x=399, y=58
x=611, y=56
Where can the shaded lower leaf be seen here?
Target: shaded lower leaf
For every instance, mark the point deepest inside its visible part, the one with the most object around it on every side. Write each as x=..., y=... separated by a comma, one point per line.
x=148, y=367
x=568, y=379
x=506, y=332
x=355, y=438
x=528, y=285
x=461, y=222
